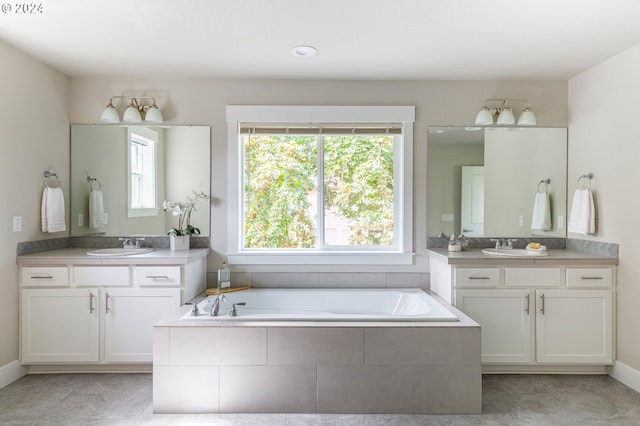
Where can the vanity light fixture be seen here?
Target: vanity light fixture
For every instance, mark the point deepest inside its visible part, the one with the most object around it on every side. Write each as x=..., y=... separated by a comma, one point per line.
x=503, y=114
x=138, y=110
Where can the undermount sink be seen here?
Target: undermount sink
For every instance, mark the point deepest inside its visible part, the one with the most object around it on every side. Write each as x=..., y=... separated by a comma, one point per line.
x=119, y=251
x=514, y=252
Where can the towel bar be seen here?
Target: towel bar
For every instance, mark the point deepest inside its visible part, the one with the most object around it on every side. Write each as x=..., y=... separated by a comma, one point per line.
x=47, y=175
x=546, y=184
x=91, y=181
x=587, y=176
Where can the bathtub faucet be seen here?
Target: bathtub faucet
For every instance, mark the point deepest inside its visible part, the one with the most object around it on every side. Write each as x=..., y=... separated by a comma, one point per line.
x=216, y=304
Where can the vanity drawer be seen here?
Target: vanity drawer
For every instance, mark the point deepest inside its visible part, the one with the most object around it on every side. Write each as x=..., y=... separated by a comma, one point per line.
x=589, y=277
x=101, y=275
x=157, y=275
x=49, y=276
x=477, y=277
x=533, y=277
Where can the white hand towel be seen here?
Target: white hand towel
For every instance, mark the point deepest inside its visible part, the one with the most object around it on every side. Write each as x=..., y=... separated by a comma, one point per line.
x=52, y=210
x=583, y=213
x=541, y=216
x=96, y=209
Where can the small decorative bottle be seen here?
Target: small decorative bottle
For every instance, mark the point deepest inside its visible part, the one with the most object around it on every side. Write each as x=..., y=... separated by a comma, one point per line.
x=224, y=276
x=454, y=243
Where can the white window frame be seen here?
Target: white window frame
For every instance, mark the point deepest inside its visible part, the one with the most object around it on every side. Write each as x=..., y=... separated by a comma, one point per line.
x=152, y=137
x=402, y=254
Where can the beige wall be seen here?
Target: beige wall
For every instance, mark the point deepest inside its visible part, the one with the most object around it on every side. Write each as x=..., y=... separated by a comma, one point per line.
x=34, y=135
x=603, y=140
x=203, y=101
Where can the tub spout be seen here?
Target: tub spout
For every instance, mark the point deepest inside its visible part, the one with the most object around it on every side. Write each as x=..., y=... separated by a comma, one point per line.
x=216, y=304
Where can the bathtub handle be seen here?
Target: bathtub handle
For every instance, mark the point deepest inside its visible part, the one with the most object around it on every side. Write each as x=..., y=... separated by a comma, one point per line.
x=526, y=309
x=234, y=312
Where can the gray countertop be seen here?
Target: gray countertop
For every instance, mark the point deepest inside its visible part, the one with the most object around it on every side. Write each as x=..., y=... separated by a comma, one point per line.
x=79, y=256
x=556, y=257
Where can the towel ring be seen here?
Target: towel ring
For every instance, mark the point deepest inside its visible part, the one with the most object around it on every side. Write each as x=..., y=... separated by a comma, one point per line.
x=91, y=181
x=546, y=183
x=588, y=176
x=47, y=175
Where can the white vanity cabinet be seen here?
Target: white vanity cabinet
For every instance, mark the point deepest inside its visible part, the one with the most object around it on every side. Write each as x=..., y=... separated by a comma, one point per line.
x=129, y=315
x=103, y=312
x=59, y=325
x=533, y=313
x=505, y=318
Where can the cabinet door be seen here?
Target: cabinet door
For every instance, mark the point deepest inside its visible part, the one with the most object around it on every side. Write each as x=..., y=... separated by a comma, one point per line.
x=574, y=326
x=129, y=316
x=59, y=325
x=505, y=318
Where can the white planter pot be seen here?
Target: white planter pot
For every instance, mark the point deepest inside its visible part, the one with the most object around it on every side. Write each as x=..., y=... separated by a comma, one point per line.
x=179, y=242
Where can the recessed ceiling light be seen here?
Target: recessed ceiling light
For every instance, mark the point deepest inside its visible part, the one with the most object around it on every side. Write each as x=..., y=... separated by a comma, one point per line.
x=472, y=128
x=436, y=131
x=303, y=51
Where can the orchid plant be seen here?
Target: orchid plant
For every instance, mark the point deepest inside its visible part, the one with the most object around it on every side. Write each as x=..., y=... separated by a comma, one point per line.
x=183, y=209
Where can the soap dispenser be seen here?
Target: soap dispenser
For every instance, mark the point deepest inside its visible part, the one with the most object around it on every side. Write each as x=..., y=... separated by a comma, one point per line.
x=224, y=276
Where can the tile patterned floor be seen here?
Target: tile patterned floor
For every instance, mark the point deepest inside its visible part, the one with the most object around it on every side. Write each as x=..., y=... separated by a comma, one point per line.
x=125, y=399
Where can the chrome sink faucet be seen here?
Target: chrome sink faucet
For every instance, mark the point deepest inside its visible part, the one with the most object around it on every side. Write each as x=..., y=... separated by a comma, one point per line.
x=215, y=309
x=131, y=242
x=504, y=243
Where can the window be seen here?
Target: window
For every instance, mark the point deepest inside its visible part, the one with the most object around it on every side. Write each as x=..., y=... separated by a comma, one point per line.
x=320, y=184
x=142, y=172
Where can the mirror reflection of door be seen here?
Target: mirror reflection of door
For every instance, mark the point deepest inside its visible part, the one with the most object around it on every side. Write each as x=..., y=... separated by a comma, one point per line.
x=472, y=201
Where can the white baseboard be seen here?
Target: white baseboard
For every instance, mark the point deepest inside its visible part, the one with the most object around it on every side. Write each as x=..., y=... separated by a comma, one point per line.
x=626, y=375
x=11, y=372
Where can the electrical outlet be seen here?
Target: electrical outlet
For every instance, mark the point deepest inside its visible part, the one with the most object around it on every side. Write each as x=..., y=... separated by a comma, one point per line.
x=106, y=218
x=448, y=217
x=560, y=222
x=17, y=224
x=80, y=219
x=521, y=220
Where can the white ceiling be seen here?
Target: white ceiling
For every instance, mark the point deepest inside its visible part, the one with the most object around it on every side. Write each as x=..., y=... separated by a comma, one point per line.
x=356, y=39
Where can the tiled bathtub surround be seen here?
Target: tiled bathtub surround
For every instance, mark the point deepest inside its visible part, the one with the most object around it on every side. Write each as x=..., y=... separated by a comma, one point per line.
x=327, y=279
x=318, y=368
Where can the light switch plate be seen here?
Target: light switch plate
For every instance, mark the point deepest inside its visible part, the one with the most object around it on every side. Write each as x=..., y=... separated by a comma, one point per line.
x=17, y=224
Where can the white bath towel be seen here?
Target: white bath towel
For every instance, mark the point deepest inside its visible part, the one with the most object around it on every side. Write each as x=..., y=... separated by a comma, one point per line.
x=96, y=209
x=541, y=216
x=583, y=213
x=52, y=210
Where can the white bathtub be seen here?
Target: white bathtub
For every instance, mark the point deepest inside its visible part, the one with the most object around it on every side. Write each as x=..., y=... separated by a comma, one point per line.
x=327, y=305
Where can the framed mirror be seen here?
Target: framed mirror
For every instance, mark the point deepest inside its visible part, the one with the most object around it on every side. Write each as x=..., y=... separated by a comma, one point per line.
x=121, y=175
x=484, y=182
